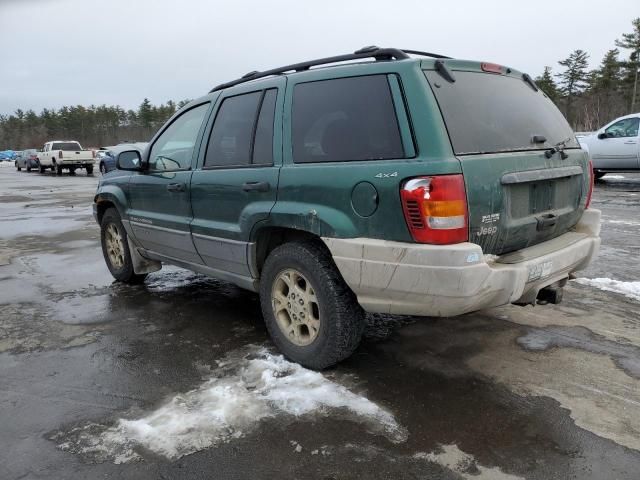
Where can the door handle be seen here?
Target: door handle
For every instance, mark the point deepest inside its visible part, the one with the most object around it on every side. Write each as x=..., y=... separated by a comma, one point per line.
x=630, y=142
x=256, y=186
x=176, y=187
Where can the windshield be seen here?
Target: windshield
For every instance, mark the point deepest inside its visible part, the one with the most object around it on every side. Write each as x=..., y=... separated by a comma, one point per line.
x=66, y=146
x=489, y=113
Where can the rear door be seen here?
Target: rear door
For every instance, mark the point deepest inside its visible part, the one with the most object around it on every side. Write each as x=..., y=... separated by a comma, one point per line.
x=236, y=183
x=501, y=128
x=619, y=150
x=159, y=198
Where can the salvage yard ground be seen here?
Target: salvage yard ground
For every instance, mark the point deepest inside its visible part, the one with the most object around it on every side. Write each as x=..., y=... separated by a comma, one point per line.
x=176, y=378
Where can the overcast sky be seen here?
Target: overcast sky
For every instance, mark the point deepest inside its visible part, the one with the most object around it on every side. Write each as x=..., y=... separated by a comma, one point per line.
x=63, y=52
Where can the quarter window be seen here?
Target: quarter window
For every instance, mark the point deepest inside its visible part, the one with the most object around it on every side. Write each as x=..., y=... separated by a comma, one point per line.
x=263, y=143
x=173, y=149
x=627, y=127
x=345, y=119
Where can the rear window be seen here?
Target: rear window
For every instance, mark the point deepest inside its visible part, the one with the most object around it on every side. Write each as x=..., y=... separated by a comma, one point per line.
x=66, y=146
x=345, y=119
x=489, y=113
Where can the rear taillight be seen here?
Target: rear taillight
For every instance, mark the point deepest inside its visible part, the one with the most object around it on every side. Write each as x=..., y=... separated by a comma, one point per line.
x=591, y=180
x=435, y=209
x=60, y=154
x=93, y=153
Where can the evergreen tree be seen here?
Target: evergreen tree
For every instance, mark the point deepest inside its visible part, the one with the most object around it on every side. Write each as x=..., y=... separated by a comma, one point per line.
x=548, y=85
x=631, y=41
x=573, y=80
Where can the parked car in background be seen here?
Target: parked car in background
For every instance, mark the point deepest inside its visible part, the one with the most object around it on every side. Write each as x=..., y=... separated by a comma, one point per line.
x=7, y=156
x=27, y=159
x=62, y=155
x=107, y=157
x=390, y=184
x=615, y=147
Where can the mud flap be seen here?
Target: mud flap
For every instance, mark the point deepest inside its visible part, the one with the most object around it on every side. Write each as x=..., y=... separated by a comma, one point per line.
x=141, y=264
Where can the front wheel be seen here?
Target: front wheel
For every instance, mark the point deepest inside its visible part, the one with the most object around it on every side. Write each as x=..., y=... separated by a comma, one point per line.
x=115, y=248
x=312, y=316
x=103, y=169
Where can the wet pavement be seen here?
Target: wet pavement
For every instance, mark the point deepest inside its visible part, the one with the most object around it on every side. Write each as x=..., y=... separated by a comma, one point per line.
x=176, y=378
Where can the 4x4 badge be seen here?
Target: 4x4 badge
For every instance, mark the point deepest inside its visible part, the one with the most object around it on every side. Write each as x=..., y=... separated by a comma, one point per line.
x=386, y=175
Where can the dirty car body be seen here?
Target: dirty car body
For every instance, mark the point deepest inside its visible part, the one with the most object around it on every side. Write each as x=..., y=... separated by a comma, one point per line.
x=433, y=186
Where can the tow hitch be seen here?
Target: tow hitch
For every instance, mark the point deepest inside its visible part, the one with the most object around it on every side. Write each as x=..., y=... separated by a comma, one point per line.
x=550, y=294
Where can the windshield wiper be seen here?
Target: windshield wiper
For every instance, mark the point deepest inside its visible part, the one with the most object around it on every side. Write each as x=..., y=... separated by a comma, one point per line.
x=559, y=147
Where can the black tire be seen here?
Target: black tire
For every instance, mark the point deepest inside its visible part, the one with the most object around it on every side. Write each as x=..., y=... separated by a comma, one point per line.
x=19, y=168
x=58, y=169
x=72, y=171
x=103, y=169
x=90, y=170
x=125, y=272
x=28, y=168
x=342, y=319
x=42, y=168
x=598, y=175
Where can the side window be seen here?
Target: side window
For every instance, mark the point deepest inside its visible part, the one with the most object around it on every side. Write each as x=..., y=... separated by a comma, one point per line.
x=231, y=136
x=627, y=127
x=174, y=147
x=263, y=143
x=345, y=119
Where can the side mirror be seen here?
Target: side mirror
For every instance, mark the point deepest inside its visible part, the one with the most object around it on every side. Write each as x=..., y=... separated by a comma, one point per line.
x=602, y=136
x=129, y=160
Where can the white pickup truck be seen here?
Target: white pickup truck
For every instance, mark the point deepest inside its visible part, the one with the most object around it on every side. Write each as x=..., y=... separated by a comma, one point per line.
x=65, y=154
x=615, y=147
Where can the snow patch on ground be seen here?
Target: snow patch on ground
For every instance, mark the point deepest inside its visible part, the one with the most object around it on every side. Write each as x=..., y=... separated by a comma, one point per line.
x=624, y=222
x=454, y=459
x=614, y=177
x=246, y=387
x=628, y=289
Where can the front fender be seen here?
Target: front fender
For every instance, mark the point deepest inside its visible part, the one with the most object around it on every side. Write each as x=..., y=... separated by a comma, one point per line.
x=114, y=195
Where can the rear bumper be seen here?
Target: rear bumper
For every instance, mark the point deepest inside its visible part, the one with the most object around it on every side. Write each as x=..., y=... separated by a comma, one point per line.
x=77, y=163
x=435, y=280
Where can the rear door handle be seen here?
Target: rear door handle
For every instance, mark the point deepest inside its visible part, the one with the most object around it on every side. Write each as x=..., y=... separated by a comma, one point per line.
x=176, y=187
x=256, y=186
x=630, y=142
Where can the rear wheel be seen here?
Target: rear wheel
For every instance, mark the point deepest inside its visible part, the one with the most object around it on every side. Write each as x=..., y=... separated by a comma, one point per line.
x=28, y=168
x=58, y=169
x=90, y=170
x=19, y=168
x=42, y=168
x=72, y=171
x=311, y=314
x=115, y=248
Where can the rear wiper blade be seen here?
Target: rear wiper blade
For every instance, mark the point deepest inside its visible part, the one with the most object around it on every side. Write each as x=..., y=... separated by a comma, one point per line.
x=559, y=147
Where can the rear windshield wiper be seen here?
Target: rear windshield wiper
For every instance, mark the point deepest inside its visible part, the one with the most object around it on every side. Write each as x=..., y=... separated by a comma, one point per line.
x=559, y=147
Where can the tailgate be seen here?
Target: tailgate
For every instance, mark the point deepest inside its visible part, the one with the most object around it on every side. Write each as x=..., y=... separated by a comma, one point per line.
x=526, y=178
x=520, y=199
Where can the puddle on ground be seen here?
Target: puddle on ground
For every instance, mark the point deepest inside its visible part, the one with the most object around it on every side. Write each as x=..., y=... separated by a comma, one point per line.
x=247, y=386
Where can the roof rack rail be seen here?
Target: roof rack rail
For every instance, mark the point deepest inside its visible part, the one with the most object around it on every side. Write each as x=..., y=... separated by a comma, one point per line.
x=424, y=54
x=365, y=52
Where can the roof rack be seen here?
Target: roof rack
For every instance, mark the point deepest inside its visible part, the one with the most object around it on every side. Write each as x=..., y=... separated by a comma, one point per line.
x=371, y=51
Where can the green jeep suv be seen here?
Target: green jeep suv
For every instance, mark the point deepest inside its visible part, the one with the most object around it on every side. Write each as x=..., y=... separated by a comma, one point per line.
x=387, y=180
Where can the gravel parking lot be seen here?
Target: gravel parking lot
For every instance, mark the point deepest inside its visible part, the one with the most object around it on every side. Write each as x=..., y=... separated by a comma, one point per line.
x=176, y=378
